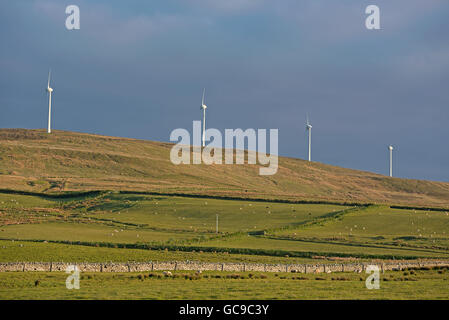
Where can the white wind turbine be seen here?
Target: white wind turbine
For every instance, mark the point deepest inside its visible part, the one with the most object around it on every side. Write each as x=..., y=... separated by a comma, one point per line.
x=203, y=107
x=391, y=160
x=309, y=129
x=49, y=90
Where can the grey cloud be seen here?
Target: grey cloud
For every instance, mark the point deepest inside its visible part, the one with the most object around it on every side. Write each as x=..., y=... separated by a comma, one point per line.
x=138, y=69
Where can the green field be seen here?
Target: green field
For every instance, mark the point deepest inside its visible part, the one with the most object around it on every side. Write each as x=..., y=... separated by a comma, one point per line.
x=180, y=224
x=29, y=251
x=124, y=218
x=85, y=198
x=199, y=215
x=428, y=284
x=329, y=248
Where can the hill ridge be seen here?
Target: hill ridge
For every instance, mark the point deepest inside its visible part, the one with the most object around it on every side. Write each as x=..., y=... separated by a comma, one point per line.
x=32, y=160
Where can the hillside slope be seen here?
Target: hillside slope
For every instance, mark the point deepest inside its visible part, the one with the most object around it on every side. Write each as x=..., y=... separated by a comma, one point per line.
x=31, y=160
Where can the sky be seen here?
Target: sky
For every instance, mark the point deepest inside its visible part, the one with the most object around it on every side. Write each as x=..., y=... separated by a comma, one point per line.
x=137, y=69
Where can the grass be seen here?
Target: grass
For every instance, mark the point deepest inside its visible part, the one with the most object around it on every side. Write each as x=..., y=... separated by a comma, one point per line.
x=88, y=198
x=428, y=284
x=381, y=220
x=380, y=226
x=325, y=248
x=18, y=201
x=119, y=218
x=31, y=160
x=199, y=215
x=138, y=221
x=91, y=232
x=25, y=251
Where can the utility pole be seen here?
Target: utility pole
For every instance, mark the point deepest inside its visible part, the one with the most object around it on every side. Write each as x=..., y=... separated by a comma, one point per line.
x=216, y=224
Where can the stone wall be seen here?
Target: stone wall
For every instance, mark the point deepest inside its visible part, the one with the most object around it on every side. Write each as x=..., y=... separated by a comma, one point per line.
x=209, y=266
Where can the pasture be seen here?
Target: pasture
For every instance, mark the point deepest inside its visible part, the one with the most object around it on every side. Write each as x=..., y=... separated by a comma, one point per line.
x=408, y=284
x=124, y=227
x=139, y=221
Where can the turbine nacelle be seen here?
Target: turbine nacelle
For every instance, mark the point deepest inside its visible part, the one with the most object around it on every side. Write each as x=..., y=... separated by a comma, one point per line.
x=203, y=105
x=390, y=148
x=308, y=125
x=309, y=131
x=49, y=89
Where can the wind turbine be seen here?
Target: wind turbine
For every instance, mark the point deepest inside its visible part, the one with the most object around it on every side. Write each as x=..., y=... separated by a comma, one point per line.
x=49, y=90
x=309, y=129
x=203, y=107
x=391, y=160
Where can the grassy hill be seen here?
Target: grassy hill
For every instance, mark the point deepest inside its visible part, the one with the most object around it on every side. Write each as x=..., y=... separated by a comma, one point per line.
x=144, y=208
x=32, y=160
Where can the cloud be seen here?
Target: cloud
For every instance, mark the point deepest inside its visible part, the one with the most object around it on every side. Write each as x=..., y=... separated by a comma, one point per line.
x=426, y=62
x=141, y=65
x=111, y=28
x=103, y=23
x=230, y=6
x=48, y=7
x=341, y=22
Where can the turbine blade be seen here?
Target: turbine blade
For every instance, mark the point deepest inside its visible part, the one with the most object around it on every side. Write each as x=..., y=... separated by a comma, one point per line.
x=307, y=118
x=204, y=91
x=49, y=76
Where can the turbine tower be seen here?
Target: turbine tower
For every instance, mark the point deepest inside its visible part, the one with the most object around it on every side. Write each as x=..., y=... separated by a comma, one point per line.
x=391, y=160
x=309, y=129
x=49, y=90
x=203, y=107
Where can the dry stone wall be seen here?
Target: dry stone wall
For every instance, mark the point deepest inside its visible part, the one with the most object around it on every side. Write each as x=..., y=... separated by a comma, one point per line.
x=209, y=266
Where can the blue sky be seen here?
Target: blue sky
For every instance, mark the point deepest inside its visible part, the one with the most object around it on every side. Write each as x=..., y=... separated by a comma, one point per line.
x=137, y=69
